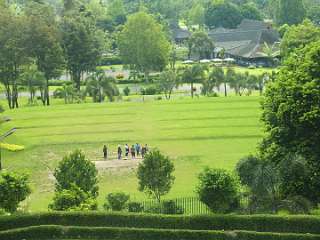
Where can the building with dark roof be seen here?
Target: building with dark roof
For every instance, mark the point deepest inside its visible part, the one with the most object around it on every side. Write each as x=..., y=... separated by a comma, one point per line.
x=246, y=43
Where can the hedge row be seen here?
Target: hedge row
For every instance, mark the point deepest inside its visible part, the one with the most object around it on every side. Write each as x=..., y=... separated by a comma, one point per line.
x=256, y=223
x=59, y=232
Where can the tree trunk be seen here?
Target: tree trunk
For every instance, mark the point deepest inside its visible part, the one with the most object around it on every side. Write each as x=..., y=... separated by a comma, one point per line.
x=192, y=89
x=47, y=92
x=225, y=89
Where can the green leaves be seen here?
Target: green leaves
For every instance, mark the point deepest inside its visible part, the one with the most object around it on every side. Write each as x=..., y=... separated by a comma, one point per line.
x=155, y=174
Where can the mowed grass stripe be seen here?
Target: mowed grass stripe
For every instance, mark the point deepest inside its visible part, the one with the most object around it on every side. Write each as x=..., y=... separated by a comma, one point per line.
x=214, y=132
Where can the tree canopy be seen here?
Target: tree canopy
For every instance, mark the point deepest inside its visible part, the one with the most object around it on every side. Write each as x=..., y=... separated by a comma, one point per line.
x=143, y=44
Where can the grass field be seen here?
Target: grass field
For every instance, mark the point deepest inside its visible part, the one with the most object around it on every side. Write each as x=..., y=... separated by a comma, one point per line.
x=214, y=132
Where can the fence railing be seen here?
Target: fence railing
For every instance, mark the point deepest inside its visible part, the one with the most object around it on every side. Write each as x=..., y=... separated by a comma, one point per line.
x=188, y=205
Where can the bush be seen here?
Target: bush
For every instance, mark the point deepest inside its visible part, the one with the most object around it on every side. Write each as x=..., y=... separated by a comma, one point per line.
x=71, y=232
x=170, y=207
x=116, y=201
x=258, y=223
x=135, y=207
x=218, y=190
x=72, y=199
x=76, y=170
x=14, y=189
x=149, y=91
x=126, y=91
x=297, y=205
x=155, y=174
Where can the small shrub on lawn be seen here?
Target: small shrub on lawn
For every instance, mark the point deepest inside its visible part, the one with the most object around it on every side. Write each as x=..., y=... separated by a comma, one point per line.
x=116, y=201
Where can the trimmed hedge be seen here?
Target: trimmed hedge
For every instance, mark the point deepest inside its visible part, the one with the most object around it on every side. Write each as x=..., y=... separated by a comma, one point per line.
x=59, y=232
x=256, y=223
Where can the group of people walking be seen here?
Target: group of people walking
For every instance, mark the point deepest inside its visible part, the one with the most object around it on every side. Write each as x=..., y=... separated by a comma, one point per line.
x=135, y=150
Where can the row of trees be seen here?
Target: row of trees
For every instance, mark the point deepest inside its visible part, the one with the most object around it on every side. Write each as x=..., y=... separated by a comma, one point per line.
x=36, y=47
x=212, y=80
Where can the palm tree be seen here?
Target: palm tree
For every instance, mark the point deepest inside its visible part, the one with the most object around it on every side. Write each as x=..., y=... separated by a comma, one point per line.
x=99, y=86
x=270, y=52
x=216, y=77
x=193, y=74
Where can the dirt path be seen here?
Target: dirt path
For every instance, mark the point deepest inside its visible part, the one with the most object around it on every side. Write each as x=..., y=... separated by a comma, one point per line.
x=115, y=164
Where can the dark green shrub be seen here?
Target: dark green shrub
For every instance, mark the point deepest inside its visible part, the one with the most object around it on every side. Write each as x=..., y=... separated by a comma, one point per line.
x=170, y=207
x=116, y=201
x=149, y=90
x=135, y=207
x=297, y=205
x=126, y=91
x=14, y=189
x=72, y=199
x=258, y=223
x=218, y=190
x=71, y=232
x=76, y=170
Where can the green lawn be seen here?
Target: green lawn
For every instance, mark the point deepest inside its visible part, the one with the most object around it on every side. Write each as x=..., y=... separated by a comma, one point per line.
x=214, y=132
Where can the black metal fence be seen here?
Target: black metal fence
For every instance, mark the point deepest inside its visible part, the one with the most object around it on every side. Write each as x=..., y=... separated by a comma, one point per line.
x=188, y=205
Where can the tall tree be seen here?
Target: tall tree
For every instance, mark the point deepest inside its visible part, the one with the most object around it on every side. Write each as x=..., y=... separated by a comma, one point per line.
x=222, y=14
x=82, y=44
x=290, y=12
x=291, y=113
x=143, y=44
x=13, y=53
x=192, y=75
x=299, y=36
x=44, y=43
x=201, y=45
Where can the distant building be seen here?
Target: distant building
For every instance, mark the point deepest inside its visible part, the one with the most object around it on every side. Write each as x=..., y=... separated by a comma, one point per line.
x=246, y=43
x=180, y=35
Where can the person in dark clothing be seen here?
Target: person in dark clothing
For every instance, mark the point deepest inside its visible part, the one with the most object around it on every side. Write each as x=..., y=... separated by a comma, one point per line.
x=127, y=149
x=119, y=152
x=133, y=152
x=105, y=152
x=138, y=149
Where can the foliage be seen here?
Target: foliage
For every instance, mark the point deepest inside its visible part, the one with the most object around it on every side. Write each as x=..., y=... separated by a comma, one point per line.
x=82, y=44
x=126, y=91
x=290, y=12
x=135, y=207
x=43, y=43
x=99, y=86
x=222, y=14
x=262, y=179
x=67, y=92
x=76, y=170
x=200, y=45
x=170, y=207
x=14, y=189
x=193, y=74
x=117, y=201
x=152, y=90
x=250, y=11
x=73, y=199
x=168, y=80
x=314, y=14
x=143, y=32
x=215, y=79
x=291, y=113
x=298, y=37
x=155, y=174
x=13, y=53
x=73, y=232
x=255, y=223
x=218, y=190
